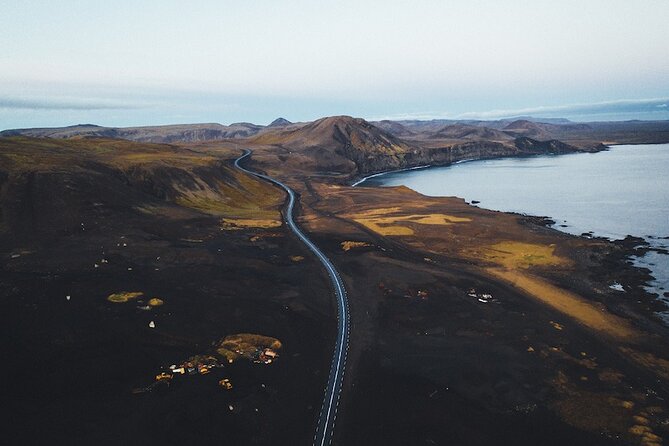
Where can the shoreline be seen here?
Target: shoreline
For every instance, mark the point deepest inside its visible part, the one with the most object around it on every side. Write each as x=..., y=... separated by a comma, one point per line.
x=635, y=253
x=463, y=161
x=378, y=174
x=605, y=148
x=425, y=166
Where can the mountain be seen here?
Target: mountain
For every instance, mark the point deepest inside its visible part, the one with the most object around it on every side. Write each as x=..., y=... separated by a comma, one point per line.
x=65, y=132
x=280, y=122
x=394, y=127
x=434, y=125
x=335, y=131
x=419, y=126
x=528, y=128
x=157, y=134
x=470, y=132
x=542, y=130
x=330, y=143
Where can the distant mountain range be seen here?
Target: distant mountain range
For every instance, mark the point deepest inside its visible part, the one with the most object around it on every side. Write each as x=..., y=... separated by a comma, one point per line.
x=164, y=133
x=345, y=144
x=436, y=129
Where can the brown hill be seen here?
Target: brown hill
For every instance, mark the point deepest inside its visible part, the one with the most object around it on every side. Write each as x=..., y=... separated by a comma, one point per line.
x=470, y=132
x=541, y=130
x=59, y=176
x=157, y=134
x=393, y=127
x=332, y=143
x=530, y=129
x=85, y=130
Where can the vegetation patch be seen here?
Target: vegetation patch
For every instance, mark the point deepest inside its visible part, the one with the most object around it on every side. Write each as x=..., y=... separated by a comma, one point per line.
x=380, y=222
x=512, y=254
x=235, y=196
x=232, y=224
x=658, y=365
x=573, y=305
x=514, y=258
x=265, y=235
x=597, y=412
x=249, y=346
x=348, y=245
x=124, y=296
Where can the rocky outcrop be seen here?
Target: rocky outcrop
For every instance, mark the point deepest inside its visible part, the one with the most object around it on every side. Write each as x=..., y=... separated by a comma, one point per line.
x=534, y=147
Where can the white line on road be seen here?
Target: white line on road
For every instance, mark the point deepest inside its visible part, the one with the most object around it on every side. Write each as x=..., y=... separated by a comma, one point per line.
x=328, y=415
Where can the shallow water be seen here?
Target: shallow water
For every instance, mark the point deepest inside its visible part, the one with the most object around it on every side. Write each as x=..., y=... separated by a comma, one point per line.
x=619, y=192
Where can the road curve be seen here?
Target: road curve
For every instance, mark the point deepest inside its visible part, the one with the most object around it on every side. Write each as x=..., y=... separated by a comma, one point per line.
x=328, y=414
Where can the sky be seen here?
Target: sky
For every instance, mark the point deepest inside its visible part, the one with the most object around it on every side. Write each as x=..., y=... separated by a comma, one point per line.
x=125, y=63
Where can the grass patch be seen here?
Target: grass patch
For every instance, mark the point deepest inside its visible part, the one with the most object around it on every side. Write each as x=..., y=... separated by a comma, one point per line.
x=380, y=222
x=240, y=223
x=512, y=259
x=246, y=345
x=348, y=245
x=574, y=306
x=659, y=366
x=240, y=199
x=44, y=154
x=511, y=254
x=124, y=296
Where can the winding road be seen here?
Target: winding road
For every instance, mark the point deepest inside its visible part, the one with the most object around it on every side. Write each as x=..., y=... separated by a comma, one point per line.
x=328, y=414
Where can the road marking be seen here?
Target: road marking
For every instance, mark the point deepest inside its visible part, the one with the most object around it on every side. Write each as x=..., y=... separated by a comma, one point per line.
x=323, y=434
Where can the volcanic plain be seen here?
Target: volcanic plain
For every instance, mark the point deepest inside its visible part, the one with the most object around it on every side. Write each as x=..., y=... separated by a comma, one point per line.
x=124, y=261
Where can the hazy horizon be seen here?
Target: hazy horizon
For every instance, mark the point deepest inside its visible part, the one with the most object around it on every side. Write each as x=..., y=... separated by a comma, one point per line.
x=167, y=62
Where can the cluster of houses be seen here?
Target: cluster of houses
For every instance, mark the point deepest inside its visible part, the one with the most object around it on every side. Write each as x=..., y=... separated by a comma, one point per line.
x=266, y=356
x=199, y=364
x=484, y=298
x=203, y=365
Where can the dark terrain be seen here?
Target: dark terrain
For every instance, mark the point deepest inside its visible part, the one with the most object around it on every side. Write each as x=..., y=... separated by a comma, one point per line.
x=429, y=363
x=72, y=364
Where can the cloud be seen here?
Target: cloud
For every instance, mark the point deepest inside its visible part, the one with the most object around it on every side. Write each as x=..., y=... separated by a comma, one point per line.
x=656, y=108
x=620, y=107
x=64, y=104
x=418, y=116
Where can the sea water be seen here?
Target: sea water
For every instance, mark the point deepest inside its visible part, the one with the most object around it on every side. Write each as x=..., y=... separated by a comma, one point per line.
x=619, y=192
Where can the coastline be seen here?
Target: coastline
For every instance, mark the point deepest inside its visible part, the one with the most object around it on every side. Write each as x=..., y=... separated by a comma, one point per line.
x=635, y=246
x=425, y=166
x=378, y=174
x=604, y=148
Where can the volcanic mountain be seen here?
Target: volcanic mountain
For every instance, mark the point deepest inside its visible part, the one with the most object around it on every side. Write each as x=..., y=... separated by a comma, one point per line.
x=333, y=142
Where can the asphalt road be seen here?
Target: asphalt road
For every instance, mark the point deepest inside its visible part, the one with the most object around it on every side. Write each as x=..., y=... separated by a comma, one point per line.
x=328, y=414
